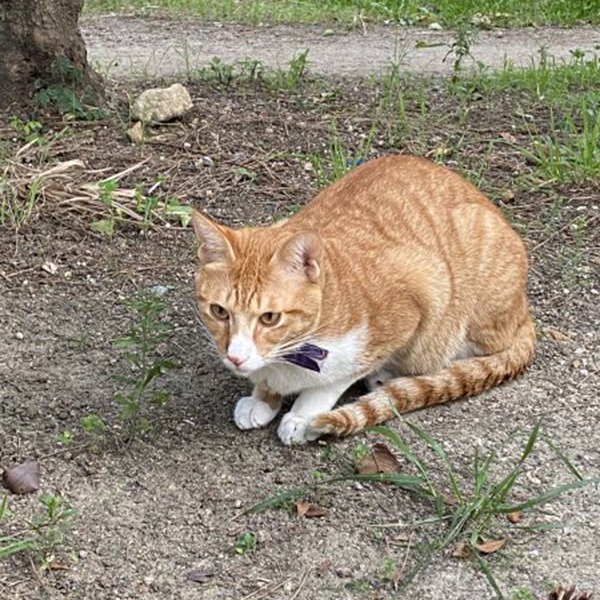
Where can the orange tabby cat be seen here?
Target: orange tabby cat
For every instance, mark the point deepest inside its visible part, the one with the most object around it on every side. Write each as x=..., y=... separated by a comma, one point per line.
x=401, y=272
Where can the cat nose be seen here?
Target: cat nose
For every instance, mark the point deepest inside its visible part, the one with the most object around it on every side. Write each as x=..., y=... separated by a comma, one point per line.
x=236, y=360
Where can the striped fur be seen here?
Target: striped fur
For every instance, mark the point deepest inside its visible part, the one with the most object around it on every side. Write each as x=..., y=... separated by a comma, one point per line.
x=404, y=256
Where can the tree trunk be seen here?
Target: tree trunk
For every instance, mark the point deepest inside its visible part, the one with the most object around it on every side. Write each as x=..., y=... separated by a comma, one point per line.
x=33, y=35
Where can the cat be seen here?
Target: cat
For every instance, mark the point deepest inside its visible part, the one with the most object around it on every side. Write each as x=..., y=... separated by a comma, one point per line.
x=401, y=272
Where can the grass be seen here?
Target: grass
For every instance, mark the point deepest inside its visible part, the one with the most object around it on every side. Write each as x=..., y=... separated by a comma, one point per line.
x=352, y=12
x=42, y=537
x=145, y=364
x=469, y=510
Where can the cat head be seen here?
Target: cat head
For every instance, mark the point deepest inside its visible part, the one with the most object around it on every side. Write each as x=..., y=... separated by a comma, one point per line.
x=259, y=290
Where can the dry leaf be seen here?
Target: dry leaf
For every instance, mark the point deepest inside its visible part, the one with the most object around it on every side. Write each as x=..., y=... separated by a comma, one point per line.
x=491, y=546
x=555, y=334
x=308, y=510
x=568, y=593
x=508, y=137
x=462, y=550
x=24, y=478
x=324, y=567
x=508, y=196
x=56, y=565
x=199, y=575
x=515, y=517
x=380, y=460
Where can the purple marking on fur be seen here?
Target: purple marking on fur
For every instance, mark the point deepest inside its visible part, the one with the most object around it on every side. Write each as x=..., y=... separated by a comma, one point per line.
x=307, y=357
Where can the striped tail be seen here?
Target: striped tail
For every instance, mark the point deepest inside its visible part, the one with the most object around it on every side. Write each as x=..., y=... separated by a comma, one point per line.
x=462, y=378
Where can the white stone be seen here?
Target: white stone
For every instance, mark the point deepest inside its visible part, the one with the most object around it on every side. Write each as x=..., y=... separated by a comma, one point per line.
x=162, y=104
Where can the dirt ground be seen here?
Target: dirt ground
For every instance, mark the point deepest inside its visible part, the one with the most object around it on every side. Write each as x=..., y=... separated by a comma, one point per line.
x=149, y=512
x=121, y=46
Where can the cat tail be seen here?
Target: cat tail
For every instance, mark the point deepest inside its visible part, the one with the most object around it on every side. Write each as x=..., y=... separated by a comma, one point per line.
x=465, y=377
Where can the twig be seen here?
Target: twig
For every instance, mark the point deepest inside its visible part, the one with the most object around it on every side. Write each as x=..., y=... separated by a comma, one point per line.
x=301, y=584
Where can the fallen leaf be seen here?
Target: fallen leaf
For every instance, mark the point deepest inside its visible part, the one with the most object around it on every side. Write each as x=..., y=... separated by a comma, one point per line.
x=50, y=267
x=462, y=550
x=508, y=196
x=308, y=510
x=491, y=546
x=508, y=137
x=24, y=478
x=56, y=565
x=199, y=575
x=515, y=517
x=379, y=460
x=555, y=334
x=324, y=567
x=568, y=593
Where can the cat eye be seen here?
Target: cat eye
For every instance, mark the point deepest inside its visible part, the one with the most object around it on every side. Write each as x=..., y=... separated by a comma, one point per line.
x=218, y=312
x=270, y=318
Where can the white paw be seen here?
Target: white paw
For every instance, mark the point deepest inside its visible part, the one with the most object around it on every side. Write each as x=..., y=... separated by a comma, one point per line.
x=295, y=429
x=251, y=413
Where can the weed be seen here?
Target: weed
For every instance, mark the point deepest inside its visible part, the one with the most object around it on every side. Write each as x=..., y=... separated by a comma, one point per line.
x=140, y=351
x=44, y=536
x=468, y=513
x=64, y=96
x=30, y=130
x=290, y=78
x=245, y=544
x=460, y=49
x=522, y=594
x=571, y=153
x=340, y=159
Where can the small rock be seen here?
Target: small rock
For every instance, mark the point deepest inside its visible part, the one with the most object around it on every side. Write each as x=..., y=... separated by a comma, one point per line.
x=136, y=133
x=207, y=161
x=329, y=32
x=435, y=27
x=343, y=572
x=19, y=335
x=162, y=104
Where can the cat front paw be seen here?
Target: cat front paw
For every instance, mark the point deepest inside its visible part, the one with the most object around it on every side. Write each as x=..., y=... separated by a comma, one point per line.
x=295, y=429
x=251, y=413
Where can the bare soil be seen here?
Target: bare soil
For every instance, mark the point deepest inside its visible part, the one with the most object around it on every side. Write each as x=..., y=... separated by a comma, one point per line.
x=122, y=46
x=150, y=511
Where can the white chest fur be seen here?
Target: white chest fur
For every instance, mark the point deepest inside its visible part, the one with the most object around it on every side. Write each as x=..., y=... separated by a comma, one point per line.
x=343, y=361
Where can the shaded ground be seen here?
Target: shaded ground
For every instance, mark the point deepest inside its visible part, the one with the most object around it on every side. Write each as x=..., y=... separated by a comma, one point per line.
x=155, y=47
x=151, y=511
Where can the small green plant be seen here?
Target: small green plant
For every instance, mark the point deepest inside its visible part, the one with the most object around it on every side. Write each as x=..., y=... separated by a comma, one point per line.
x=66, y=437
x=64, y=97
x=245, y=544
x=44, y=536
x=30, y=130
x=290, y=78
x=522, y=594
x=460, y=48
x=468, y=514
x=339, y=158
x=140, y=351
x=571, y=153
x=107, y=190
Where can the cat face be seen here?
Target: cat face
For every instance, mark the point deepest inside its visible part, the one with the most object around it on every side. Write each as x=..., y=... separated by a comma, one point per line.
x=259, y=294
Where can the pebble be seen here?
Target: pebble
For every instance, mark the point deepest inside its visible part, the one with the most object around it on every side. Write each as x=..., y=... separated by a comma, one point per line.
x=344, y=572
x=19, y=335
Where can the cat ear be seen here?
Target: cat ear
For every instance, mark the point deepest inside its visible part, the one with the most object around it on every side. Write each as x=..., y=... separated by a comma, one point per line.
x=302, y=254
x=214, y=243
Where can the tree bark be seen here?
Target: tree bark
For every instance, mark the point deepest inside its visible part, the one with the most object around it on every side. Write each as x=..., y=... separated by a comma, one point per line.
x=33, y=35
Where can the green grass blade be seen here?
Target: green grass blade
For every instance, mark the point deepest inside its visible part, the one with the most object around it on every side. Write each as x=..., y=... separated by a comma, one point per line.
x=411, y=483
x=432, y=443
x=564, y=458
x=485, y=568
x=547, y=496
x=8, y=547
